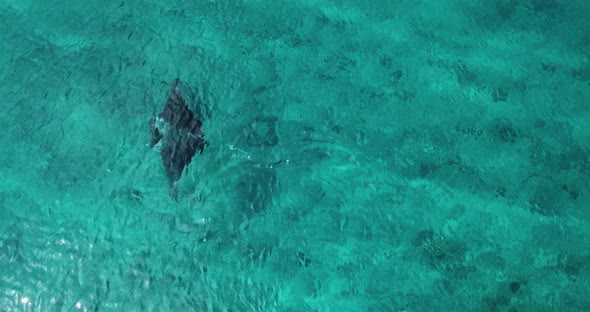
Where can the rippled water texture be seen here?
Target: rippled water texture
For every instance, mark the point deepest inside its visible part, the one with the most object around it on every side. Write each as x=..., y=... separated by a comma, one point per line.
x=364, y=156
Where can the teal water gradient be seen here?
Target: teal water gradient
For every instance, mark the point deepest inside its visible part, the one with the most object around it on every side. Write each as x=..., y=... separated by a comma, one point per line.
x=365, y=156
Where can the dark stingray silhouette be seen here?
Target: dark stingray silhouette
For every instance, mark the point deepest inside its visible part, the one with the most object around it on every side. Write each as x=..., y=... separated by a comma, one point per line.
x=178, y=136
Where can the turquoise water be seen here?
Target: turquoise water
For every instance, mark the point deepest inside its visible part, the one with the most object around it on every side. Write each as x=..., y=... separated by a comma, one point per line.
x=364, y=156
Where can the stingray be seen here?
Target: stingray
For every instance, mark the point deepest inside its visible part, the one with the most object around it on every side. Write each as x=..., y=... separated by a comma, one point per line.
x=177, y=134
